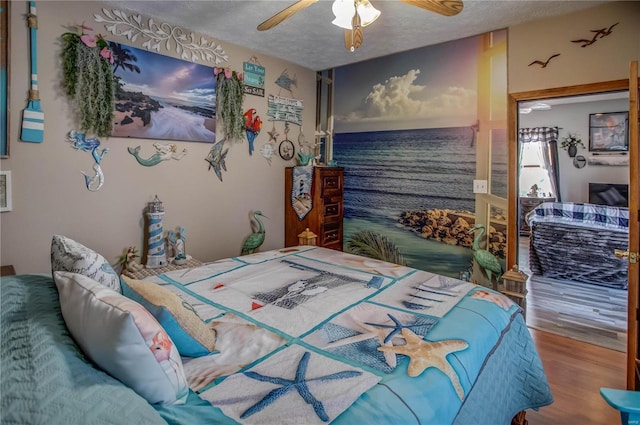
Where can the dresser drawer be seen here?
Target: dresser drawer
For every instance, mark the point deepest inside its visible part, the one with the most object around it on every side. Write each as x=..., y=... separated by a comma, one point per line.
x=331, y=232
x=333, y=209
x=331, y=184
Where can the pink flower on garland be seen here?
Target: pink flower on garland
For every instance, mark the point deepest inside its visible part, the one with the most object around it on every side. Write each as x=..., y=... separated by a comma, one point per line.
x=90, y=40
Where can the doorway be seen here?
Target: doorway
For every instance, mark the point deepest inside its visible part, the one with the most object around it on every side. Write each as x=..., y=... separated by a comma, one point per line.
x=573, y=187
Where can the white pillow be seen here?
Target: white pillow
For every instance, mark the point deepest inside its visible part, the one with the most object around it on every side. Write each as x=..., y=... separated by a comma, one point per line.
x=123, y=338
x=68, y=255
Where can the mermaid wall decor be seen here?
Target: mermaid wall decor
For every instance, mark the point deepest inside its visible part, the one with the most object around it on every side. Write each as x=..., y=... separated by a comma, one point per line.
x=162, y=153
x=81, y=143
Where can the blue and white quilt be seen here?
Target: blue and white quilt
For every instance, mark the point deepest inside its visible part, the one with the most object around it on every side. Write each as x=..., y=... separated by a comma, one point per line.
x=311, y=335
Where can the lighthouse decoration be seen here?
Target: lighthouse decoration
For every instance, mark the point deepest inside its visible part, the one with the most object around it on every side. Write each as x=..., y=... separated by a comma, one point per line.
x=155, y=254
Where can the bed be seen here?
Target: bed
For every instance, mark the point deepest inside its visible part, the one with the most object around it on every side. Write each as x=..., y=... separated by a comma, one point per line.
x=576, y=242
x=303, y=335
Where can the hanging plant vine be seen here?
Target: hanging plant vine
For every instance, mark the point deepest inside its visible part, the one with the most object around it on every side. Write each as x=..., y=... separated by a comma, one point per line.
x=89, y=81
x=229, y=99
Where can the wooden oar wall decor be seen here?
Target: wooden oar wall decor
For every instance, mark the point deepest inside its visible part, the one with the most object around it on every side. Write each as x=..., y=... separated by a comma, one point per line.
x=32, y=116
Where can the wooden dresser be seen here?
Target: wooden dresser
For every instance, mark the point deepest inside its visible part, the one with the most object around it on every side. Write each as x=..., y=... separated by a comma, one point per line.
x=325, y=217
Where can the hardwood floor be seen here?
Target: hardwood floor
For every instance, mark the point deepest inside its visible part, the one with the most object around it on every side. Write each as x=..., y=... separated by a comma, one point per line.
x=576, y=371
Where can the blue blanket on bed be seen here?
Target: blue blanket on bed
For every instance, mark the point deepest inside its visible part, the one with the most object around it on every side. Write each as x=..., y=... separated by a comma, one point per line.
x=45, y=379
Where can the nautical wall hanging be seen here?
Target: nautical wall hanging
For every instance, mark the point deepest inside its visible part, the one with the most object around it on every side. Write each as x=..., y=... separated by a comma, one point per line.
x=254, y=74
x=162, y=97
x=252, y=125
x=88, y=80
x=286, y=148
x=229, y=98
x=162, y=153
x=79, y=142
x=285, y=109
x=159, y=35
x=216, y=158
x=32, y=116
x=597, y=34
x=301, y=190
x=269, y=149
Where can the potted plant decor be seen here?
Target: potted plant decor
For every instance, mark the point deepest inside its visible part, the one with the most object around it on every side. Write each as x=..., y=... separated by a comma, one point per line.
x=570, y=144
x=88, y=80
x=229, y=99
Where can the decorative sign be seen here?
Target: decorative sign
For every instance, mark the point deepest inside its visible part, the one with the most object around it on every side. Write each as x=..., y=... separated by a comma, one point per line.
x=285, y=109
x=253, y=78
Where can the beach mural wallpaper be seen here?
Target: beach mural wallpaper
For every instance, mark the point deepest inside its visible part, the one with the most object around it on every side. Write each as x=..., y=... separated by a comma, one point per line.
x=405, y=133
x=161, y=97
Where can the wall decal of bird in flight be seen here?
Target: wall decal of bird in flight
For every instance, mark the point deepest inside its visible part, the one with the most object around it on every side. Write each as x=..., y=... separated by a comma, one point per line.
x=597, y=34
x=545, y=63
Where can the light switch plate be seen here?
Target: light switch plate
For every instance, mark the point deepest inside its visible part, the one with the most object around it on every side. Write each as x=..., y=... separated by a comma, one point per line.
x=480, y=186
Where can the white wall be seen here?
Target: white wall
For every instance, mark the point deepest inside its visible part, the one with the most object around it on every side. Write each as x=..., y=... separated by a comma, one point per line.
x=49, y=195
x=574, y=118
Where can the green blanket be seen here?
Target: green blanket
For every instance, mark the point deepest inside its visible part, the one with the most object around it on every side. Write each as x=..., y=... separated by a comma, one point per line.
x=45, y=379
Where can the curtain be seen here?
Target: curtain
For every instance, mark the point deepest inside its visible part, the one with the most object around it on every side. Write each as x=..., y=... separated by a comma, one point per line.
x=547, y=138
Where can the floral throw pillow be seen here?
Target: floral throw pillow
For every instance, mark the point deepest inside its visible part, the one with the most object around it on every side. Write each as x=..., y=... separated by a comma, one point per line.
x=122, y=338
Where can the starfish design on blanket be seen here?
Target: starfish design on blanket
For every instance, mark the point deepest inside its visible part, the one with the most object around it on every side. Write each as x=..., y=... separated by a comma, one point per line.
x=299, y=383
x=396, y=328
x=425, y=354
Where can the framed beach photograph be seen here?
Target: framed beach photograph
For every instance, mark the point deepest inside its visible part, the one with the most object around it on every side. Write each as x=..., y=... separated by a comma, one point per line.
x=161, y=97
x=5, y=191
x=609, y=132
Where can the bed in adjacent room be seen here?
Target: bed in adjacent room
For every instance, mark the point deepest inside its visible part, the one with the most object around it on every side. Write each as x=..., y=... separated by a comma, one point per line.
x=577, y=242
x=301, y=335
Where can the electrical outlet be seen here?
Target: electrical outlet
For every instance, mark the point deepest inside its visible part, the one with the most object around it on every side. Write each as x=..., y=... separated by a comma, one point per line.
x=480, y=186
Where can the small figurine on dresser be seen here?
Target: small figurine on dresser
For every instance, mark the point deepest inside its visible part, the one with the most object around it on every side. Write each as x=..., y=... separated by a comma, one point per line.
x=177, y=243
x=128, y=261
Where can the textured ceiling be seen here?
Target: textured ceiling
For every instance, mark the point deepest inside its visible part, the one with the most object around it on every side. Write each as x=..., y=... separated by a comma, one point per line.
x=309, y=39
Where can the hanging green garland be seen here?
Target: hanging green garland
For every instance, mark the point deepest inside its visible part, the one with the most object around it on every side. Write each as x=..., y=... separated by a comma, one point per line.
x=229, y=99
x=89, y=80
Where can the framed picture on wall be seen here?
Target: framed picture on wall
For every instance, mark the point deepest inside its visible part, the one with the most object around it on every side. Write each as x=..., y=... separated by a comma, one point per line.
x=609, y=132
x=5, y=191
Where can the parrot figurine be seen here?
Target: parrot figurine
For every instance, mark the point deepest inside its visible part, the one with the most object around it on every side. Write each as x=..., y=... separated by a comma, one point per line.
x=252, y=125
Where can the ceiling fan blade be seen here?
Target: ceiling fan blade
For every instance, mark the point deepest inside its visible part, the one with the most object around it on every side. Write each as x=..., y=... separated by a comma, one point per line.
x=285, y=13
x=353, y=37
x=443, y=7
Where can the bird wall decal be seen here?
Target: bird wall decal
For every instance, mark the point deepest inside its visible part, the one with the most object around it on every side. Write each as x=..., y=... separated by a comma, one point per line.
x=252, y=126
x=545, y=63
x=254, y=240
x=597, y=34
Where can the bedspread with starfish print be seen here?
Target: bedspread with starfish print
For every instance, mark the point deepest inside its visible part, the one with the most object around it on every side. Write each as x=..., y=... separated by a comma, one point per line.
x=309, y=335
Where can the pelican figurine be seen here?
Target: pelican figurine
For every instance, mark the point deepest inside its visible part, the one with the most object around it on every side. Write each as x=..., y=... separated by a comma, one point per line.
x=486, y=260
x=254, y=240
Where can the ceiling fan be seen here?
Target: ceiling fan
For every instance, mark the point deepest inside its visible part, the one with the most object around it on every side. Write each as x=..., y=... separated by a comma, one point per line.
x=353, y=15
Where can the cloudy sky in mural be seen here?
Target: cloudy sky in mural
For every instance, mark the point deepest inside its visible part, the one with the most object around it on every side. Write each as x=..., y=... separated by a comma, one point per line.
x=431, y=87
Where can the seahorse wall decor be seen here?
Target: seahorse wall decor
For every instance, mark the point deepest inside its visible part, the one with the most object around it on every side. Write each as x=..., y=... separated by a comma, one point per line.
x=162, y=153
x=79, y=142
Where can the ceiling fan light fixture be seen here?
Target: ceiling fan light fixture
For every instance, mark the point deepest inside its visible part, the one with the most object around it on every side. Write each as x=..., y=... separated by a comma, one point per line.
x=368, y=13
x=343, y=10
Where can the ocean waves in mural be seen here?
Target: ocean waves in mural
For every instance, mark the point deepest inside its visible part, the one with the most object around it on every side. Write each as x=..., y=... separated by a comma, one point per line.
x=388, y=173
